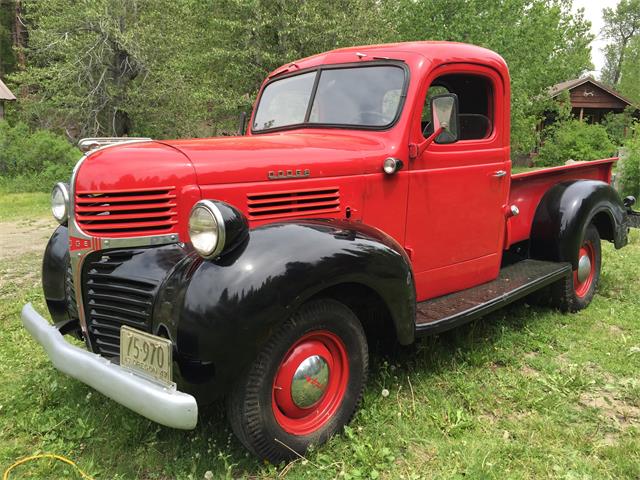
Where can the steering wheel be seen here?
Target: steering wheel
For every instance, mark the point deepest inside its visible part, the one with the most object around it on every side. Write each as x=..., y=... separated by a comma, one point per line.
x=377, y=115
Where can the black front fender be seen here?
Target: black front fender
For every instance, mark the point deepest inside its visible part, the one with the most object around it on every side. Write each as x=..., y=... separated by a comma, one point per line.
x=56, y=281
x=229, y=307
x=567, y=209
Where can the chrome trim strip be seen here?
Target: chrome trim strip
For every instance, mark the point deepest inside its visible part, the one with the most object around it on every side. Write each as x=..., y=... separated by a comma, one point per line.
x=93, y=143
x=163, y=405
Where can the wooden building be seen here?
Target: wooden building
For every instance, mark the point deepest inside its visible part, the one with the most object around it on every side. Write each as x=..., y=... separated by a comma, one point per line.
x=5, y=95
x=590, y=99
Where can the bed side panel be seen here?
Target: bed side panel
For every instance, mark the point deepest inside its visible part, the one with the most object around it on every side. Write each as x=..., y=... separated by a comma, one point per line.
x=528, y=188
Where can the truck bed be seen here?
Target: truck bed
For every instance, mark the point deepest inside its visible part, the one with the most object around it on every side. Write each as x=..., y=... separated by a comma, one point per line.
x=527, y=189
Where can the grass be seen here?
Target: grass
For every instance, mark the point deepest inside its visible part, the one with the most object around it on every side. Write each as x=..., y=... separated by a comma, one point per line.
x=524, y=393
x=23, y=206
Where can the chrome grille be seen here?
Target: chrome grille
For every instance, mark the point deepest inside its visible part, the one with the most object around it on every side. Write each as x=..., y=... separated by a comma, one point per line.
x=112, y=301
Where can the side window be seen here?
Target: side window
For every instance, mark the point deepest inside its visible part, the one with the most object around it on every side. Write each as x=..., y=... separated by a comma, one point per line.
x=475, y=104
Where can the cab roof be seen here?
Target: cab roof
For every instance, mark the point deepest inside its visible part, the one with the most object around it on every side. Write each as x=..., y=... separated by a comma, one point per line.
x=436, y=52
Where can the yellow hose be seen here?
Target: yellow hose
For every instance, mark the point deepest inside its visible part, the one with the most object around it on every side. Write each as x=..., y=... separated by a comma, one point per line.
x=5, y=476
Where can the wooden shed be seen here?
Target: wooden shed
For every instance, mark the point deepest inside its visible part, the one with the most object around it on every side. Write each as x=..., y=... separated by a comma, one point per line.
x=5, y=95
x=590, y=99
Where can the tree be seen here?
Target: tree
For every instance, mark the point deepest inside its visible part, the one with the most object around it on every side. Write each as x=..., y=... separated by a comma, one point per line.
x=81, y=58
x=171, y=68
x=167, y=68
x=629, y=84
x=543, y=42
x=228, y=47
x=620, y=27
x=7, y=55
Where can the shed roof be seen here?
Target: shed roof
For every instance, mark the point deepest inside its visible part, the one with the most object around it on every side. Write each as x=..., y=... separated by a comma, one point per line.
x=558, y=88
x=5, y=93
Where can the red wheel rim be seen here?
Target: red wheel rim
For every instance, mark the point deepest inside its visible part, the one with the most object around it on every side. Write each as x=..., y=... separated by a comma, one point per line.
x=303, y=421
x=582, y=288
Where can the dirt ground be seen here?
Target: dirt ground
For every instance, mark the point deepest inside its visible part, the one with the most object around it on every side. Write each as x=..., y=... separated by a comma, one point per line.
x=21, y=246
x=20, y=238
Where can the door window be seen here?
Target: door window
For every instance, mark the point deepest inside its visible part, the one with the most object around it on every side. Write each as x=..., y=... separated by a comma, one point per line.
x=474, y=103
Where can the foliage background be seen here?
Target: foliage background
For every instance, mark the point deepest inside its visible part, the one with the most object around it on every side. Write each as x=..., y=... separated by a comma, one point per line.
x=187, y=68
x=113, y=67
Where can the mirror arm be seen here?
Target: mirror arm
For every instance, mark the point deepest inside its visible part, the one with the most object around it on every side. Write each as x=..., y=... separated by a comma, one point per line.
x=417, y=149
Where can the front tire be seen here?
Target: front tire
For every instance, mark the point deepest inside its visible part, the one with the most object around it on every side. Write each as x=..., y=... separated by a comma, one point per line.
x=305, y=384
x=576, y=291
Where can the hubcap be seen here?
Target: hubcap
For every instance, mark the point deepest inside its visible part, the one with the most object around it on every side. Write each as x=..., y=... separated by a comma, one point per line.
x=584, y=275
x=584, y=268
x=309, y=381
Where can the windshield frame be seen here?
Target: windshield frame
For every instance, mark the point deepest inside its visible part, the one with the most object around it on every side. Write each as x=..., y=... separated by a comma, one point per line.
x=318, y=69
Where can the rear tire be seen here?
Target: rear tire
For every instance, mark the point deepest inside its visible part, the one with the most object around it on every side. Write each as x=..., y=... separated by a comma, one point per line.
x=304, y=385
x=576, y=291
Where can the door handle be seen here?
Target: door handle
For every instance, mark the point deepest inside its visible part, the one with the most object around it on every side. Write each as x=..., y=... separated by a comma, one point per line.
x=500, y=173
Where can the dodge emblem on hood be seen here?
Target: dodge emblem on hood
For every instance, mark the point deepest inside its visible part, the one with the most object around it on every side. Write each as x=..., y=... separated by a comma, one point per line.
x=284, y=174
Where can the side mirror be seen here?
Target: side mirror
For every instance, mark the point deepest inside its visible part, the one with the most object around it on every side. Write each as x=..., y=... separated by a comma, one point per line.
x=444, y=115
x=242, y=124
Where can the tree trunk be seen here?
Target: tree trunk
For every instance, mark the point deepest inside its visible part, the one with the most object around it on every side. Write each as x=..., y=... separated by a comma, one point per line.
x=19, y=34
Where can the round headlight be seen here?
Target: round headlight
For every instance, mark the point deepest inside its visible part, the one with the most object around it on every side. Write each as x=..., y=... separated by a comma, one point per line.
x=60, y=202
x=206, y=229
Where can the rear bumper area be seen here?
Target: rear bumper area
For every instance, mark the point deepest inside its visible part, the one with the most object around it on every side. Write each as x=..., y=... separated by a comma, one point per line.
x=161, y=404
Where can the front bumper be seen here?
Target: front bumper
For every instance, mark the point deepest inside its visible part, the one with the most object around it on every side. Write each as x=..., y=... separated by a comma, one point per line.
x=161, y=404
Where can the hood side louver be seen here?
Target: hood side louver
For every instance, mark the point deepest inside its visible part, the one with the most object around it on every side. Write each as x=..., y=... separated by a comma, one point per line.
x=143, y=211
x=293, y=203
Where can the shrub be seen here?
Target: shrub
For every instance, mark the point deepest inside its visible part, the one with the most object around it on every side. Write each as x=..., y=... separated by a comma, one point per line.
x=618, y=125
x=574, y=140
x=630, y=166
x=33, y=160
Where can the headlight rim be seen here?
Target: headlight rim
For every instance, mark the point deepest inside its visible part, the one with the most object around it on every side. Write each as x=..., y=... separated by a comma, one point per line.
x=63, y=187
x=218, y=217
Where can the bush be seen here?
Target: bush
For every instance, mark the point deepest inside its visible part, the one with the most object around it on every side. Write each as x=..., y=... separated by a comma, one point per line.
x=618, y=125
x=33, y=160
x=630, y=166
x=574, y=140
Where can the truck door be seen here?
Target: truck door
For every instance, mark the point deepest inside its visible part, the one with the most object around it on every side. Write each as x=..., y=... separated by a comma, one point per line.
x=458, y=191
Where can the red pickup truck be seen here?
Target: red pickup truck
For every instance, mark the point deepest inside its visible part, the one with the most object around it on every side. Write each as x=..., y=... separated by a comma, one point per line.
x=370, y=197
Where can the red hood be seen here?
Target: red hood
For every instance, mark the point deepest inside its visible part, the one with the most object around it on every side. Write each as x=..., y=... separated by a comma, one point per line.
x=227, y=160
x=135, y=171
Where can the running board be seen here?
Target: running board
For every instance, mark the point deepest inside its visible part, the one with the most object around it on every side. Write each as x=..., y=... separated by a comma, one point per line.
x=514, y=282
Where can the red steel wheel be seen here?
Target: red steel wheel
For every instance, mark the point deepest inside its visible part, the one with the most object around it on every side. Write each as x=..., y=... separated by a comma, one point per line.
x=585, y=273
x=310, y=383
x=305, y=383
x=576, y=291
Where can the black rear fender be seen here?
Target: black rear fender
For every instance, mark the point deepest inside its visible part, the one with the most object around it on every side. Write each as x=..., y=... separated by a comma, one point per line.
x=565, y=212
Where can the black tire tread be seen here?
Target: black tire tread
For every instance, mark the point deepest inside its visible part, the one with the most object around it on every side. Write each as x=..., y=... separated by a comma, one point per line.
x=243, y=402
x=563, y=296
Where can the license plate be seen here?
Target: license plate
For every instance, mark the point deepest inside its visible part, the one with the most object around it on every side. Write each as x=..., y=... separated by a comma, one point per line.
x=146, y=354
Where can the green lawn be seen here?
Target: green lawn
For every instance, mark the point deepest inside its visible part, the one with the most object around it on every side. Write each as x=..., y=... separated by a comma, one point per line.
x=524, y=393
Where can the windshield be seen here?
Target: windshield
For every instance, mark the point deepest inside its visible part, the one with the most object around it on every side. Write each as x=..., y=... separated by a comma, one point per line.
x=357, y=96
